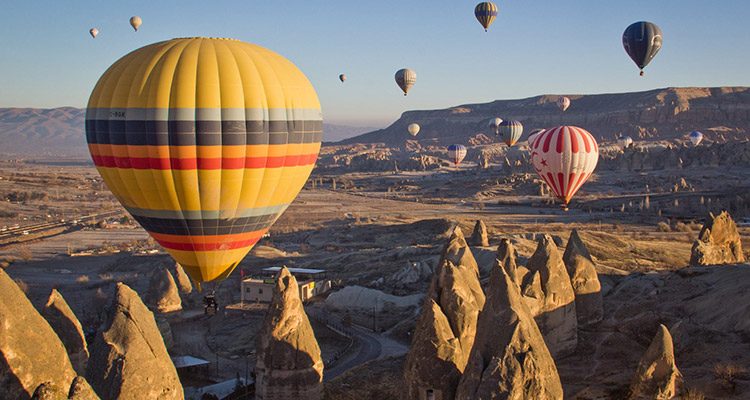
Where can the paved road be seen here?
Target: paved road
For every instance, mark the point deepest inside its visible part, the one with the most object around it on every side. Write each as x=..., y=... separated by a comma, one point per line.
x=369, y=348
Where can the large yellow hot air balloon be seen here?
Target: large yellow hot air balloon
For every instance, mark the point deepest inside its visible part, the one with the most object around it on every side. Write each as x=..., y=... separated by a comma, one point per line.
x=205, y=142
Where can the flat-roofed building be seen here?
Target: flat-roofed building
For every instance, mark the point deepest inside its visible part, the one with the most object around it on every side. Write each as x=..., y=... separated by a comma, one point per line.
x=312, y=282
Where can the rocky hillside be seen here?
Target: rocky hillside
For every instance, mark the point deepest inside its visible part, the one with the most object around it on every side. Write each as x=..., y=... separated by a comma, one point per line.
x=721, y=113
x=55, y=131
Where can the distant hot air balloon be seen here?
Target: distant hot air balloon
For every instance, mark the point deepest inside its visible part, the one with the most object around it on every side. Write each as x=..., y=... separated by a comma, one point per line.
x=563, y=103
x=642, y=40
x=199, y=149
x=456, y=153
x=624, y=141
x=342, y=77
x=511, y=131
x=564, y=156
x=696, y=137
x=413, y=129
x=135, y=22
x=93, y=32
x=405, y=79
x=532, y=136
x=494, y=123
x=485, y=13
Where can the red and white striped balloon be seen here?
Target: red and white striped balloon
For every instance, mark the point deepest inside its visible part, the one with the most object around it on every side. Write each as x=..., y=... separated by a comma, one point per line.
x=564, y=156
x=563, y=103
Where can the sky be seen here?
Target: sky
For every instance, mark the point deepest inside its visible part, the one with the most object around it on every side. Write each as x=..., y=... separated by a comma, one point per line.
x=533, y=47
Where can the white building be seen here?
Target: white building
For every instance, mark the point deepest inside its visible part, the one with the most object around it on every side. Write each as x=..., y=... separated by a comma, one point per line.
x=312, y=282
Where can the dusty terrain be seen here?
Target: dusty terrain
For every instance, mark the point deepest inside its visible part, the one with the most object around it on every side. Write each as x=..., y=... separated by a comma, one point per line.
x=365, y=227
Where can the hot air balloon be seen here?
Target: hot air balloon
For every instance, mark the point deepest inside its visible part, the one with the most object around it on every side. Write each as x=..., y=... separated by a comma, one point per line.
x=200, y=149
x=485, y=13
x=563, y=103
x=342, y=77
x=642, y=40
x=511, y=131
x=624, y=141
x=564, y=156
x=405, y=79
x=532, y=135
x=135, y=22
x=456, y=153
x=413, y=129
x=494, y=123
x=93, y=32
x=695, y=138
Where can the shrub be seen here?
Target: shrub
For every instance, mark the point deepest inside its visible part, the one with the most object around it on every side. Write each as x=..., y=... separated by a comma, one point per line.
x=663, y=227
x=82, y=279
x=105, y=277
x=693, y=394
x=21, y=285
x=727, y=375
x=681, y=227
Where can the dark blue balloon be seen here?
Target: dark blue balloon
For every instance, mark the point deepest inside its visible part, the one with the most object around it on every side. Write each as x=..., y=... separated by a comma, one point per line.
x=642, y=40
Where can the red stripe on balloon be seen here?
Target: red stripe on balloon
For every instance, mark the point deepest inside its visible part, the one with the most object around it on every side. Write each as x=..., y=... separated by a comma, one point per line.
x=561, y=179
x=586, y=137
x=551, y=182
x=574, y=139
x=203, y=163
x=548, y=139
x=209, y=246
x=581, y=179
x=560, y=139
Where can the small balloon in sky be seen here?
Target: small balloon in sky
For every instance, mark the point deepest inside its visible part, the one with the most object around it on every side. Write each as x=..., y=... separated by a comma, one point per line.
x=135, y=22
x=563, y=103
x=342, y=77
x=405, y=79
x=93, y=32
x=486, y=13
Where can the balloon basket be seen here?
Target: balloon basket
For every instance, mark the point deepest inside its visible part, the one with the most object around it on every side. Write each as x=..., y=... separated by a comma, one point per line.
x=564, y=207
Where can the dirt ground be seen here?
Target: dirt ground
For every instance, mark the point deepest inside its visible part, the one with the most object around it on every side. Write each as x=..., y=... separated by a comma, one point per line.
x=371, y=224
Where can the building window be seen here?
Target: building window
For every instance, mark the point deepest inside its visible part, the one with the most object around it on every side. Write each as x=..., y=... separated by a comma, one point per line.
x=247, y=290
x=260, y=290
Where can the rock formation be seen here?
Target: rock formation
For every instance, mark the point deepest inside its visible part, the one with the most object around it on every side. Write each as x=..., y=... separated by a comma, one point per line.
x=585, y=280
x=509, y=359
x=81, y=390
x=289, y=364
x=479, y=236
x=718, y=242
x=163, y=294
x=550, y=297
x=49, y=391
x=506, y=257
x=445, y=332
x=181, y=279
x=410, y=273
x=30, y=351
x=128, y=358
x=657, y=376
x=65, y=324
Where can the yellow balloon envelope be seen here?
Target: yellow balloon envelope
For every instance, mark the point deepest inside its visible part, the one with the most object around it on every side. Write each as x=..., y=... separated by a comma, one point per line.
x=205, y=142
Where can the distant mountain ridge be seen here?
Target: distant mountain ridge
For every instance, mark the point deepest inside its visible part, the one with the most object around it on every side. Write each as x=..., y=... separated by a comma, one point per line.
x=721, y=113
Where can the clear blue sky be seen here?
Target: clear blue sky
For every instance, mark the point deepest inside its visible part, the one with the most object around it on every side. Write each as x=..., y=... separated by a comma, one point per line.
x=533, y=47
